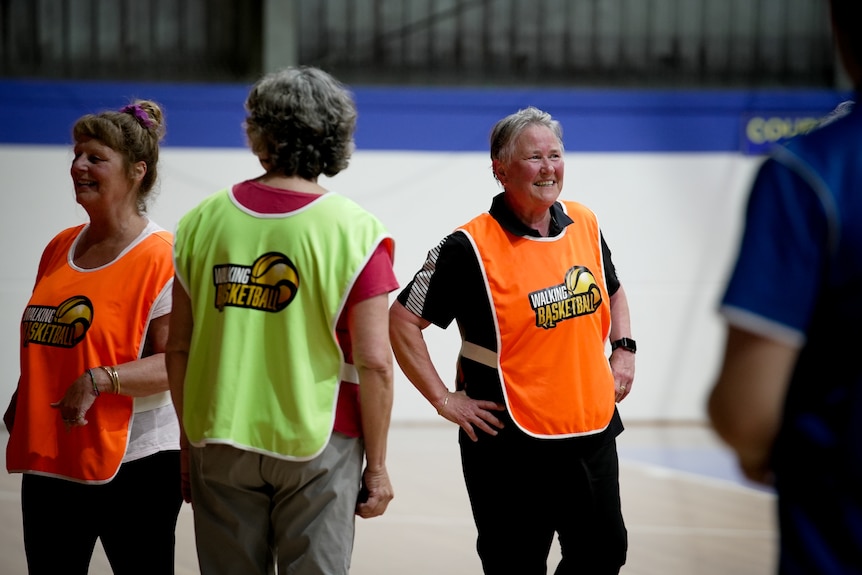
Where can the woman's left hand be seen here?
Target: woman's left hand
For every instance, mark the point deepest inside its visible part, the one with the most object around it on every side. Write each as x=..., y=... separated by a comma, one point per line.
x=78, y=399
x=378, y=493
x=623, y=368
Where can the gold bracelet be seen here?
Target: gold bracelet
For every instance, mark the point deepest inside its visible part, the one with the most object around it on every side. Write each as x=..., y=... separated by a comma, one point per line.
x=108, y=372
x=116, y=377
x=445, y=402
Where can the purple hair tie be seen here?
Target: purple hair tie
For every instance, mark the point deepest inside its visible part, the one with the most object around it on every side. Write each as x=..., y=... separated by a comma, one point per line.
x=139, y=114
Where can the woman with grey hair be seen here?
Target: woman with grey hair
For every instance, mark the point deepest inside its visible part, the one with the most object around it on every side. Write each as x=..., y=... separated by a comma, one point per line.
x=536, y=297
x=279, y=333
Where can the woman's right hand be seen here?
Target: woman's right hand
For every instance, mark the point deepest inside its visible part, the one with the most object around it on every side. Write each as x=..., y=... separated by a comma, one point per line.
x=467, y=412
x=76, y=402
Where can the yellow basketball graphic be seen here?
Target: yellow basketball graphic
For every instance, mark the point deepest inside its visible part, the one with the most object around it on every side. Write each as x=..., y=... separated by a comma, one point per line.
x=276, y=270
x=579, y=280
x=77, y=312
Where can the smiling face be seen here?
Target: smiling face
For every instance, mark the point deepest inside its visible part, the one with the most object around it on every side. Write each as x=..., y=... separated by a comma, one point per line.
x=533, y=175
x=101, y=177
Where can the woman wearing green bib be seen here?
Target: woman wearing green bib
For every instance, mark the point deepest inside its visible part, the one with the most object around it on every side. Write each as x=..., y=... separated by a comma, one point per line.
x=279, y=332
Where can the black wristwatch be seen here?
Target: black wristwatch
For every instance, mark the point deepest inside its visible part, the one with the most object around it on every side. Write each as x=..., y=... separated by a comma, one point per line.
x=626, y=343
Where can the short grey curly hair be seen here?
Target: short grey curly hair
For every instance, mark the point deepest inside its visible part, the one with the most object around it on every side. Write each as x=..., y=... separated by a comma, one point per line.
x=301, y=122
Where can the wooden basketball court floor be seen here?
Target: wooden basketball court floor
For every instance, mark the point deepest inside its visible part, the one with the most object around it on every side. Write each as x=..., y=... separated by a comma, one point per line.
x=686, y=508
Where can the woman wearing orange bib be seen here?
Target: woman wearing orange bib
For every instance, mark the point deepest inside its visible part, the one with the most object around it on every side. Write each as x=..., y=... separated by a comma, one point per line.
x=91, y=424
x=536, y=298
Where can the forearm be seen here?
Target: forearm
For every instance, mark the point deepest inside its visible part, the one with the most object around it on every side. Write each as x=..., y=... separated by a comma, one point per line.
x=178, y=347
x=176, y=362
x=620, y=318
x=411, y=352
x=372, y=356
x=376, y=393
x=138, y=378
x=745, y=405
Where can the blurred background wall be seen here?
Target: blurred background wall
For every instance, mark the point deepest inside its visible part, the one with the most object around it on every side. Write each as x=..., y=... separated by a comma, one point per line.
x=667, y=107
x=626, y=43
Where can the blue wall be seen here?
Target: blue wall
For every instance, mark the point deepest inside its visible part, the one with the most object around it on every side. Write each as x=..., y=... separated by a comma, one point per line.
x=440, y=119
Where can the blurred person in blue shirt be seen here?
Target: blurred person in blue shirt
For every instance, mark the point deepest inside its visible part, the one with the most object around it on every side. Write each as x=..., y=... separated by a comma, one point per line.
x=788, y=399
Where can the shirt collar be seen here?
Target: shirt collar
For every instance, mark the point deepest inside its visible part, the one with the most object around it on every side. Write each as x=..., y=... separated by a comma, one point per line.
x=504, y=215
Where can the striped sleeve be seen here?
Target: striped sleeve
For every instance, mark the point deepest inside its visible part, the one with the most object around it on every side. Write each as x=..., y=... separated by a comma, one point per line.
x=417, y=291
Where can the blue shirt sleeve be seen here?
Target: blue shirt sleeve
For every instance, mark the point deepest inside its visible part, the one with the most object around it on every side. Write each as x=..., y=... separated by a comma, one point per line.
x=773, y=288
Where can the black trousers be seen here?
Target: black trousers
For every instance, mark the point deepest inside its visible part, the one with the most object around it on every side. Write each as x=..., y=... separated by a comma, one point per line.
x=523, y=490
x=135, y=516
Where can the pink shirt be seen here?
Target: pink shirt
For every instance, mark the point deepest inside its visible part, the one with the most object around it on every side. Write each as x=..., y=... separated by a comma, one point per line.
x=376, y=278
